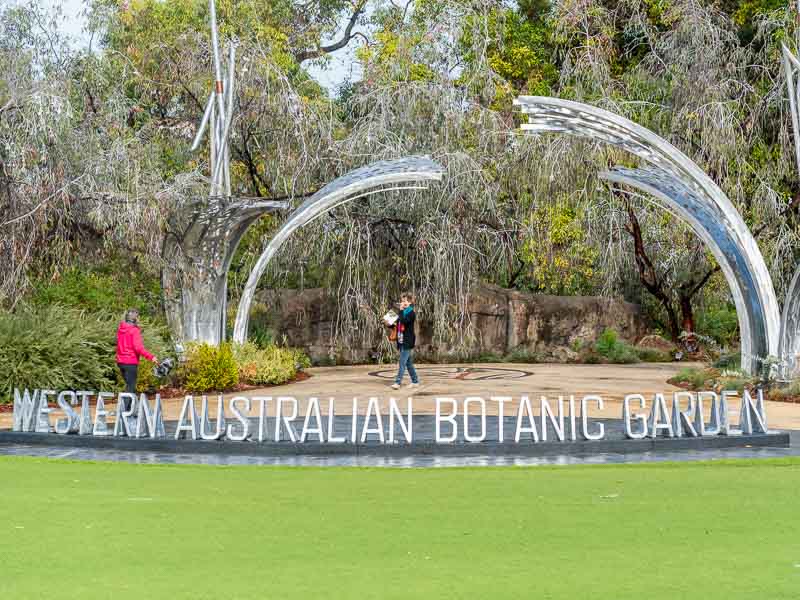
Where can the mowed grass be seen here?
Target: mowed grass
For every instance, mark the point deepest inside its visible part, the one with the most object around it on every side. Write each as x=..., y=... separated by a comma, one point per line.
x=104, y=530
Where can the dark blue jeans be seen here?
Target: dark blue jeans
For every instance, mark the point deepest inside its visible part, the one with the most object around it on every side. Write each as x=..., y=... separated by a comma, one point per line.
x=406, y=362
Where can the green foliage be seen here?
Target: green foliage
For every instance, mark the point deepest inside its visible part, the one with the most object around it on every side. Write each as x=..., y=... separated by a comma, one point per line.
x=557, y=254
x=209, y=368
x=720, y=324
x=610, y=347
x=748, y=11
x=786, y=393
x=60, y=348
x=703, y=379
x=489, y=357
x=521, y=52
x=523, y=356
x=734, y=384
x=652, y=355
x=271, y=365
x=731, y=361
x=112, y=287
x=696, y=378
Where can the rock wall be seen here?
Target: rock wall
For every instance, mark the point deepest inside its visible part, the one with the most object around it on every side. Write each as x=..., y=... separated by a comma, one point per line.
x=502, y=321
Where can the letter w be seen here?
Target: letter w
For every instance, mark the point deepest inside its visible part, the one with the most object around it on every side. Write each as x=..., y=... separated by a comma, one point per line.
x=25, y=410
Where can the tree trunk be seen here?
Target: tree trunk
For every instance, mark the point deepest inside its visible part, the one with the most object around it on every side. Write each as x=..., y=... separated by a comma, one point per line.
x=648, y=275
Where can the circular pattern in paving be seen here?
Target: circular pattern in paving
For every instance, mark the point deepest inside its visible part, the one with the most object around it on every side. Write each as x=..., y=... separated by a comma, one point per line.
x=459, y=373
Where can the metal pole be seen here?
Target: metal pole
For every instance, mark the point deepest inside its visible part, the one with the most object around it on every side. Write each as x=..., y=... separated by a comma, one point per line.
x=212, y=155
x=204, y=122
x=218, y=86
x=220, y=172
x=229, y=117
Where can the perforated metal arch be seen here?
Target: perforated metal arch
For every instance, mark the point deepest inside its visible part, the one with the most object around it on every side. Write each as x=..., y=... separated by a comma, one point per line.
x=389, y=174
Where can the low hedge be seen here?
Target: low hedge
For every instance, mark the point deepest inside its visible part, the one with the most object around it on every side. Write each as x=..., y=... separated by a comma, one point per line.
x=61, y=348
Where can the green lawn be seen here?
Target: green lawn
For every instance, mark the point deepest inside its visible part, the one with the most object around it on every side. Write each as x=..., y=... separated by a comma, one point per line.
x=105, y=530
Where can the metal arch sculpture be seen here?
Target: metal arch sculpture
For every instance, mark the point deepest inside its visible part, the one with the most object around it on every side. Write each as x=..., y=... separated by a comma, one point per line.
x=380, y=176
x=583, y=120
x=673, y=195
x=790, y=319
x=203, y=234
x=201, y=240
x=790, y=330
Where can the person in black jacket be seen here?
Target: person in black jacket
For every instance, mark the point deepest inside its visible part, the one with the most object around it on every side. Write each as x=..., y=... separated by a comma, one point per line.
x=406, y=339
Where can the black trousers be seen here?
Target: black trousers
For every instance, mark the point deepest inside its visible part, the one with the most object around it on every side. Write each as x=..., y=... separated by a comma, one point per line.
x=129, y=374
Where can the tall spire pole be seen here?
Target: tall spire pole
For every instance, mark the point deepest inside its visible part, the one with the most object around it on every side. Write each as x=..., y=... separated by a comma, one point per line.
x=218, y=114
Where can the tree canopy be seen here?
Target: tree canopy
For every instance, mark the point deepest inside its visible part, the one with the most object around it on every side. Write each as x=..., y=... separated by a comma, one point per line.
x=94, y=144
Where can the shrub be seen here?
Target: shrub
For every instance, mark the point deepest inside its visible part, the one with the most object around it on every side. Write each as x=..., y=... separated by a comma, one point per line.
x=721, y=324
x=737, y=384
x=488, y=357
x=787, y=392
x=610, y=347
x=209, y=368
x=728, y=361
x=62, y=348
x=693, y=376
x=524, y=356
x=652, y=355
x=697, y=379
x=111, y=290
x=272, y=365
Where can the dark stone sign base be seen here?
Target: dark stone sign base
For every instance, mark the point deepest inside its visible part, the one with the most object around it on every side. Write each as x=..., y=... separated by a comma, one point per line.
x=423, y=445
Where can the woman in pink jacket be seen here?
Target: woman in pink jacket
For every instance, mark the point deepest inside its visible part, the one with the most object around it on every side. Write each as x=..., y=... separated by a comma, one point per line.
x=129, y=349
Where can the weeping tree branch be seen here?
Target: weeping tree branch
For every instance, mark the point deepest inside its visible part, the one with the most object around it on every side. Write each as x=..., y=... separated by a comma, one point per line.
x=346, y=38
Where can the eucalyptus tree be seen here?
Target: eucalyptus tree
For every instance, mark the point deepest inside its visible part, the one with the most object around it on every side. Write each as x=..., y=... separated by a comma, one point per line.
x=69, y=173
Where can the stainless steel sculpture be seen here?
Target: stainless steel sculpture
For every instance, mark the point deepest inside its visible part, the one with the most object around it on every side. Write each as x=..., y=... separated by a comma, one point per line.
x=575, y=118
x=203, y=233
x=201, y=240
x=673, y=195
x=790, y=330
x=218, y=114
x=790, y=319
x=405, y=173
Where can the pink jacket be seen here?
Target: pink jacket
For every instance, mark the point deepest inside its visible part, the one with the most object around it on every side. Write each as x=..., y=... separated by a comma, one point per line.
x=129, y=345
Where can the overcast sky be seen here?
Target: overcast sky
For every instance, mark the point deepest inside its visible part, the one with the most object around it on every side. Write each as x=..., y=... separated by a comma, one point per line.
x=341, y=67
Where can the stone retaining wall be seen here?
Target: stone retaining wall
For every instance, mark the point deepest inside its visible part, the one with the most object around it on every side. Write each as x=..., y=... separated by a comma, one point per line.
x=502, y=321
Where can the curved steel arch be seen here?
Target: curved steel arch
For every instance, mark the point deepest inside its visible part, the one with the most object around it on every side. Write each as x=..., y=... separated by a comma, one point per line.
x=790, y=319
x=583, y=120
x=671, y=194
x=202, y=237
x=380, y=176
x=790, y=329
